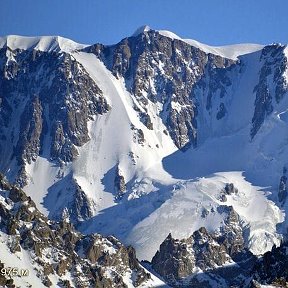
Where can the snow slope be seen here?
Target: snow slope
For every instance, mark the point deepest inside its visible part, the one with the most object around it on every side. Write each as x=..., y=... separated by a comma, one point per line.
x=227, y=51
x=115, y=126
x=42, y=43
x=185, y=202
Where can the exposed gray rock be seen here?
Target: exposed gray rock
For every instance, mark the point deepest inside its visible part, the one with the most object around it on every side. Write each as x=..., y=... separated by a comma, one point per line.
x=272, y=267
x=231, y=234
x=230, y=189
x=44, y=94
x=222, y=111
x=164, y=70
x=282, y=192
x=5, y=281
x=138, y=136
x=81, y=206
x=146, y=120
x=119, y=183
x=31, y=124
x=274, y=64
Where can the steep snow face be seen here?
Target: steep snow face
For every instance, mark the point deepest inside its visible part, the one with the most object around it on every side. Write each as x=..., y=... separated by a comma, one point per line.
x=228, y=51
x=114, y=140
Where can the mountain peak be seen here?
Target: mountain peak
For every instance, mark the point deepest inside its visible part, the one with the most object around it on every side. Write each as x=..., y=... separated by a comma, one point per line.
x=142, y=29
x=227, y=51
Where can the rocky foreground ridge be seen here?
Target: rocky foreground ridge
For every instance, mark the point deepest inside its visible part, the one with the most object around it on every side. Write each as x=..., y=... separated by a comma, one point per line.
x=220, y=258
x=61, y=255
x=58, y=252
x=209, y=260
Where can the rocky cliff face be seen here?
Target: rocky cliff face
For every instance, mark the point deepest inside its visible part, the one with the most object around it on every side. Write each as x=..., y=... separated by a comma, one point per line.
x=177, y=260
x=272, y=84
x=203, y=252
x=48, y=99
x=282, y=191
x=166, y=71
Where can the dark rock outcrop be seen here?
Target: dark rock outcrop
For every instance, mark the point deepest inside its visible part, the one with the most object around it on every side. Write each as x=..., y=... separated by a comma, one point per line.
x=162, y=70
x=43, y=95
x=272, y=267
x=177, y=260
x=119, y=183
x=282, y=191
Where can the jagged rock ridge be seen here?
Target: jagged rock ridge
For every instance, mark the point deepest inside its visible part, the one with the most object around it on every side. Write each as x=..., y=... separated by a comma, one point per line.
x=57, y=250
x=204, y=252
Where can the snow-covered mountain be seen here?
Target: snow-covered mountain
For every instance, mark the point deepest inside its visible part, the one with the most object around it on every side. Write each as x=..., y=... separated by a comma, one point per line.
x=144, y=138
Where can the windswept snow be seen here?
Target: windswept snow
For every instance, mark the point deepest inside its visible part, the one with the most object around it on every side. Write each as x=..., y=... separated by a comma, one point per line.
x=42, y=43
x=112, y=142
x=142, y=29
x=228, y=51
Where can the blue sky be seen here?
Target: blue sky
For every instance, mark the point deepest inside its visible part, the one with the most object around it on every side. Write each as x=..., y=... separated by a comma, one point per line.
x=214, y=22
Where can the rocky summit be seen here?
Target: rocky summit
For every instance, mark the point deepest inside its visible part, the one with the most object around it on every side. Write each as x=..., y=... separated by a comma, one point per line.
x=153, y=136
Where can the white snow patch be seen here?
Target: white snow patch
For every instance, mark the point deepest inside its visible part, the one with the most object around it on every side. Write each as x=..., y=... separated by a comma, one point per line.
x=42, y=175
x=41, y=43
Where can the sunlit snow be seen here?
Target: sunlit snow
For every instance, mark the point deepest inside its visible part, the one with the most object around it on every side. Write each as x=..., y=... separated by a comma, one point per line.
x=166, y=186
